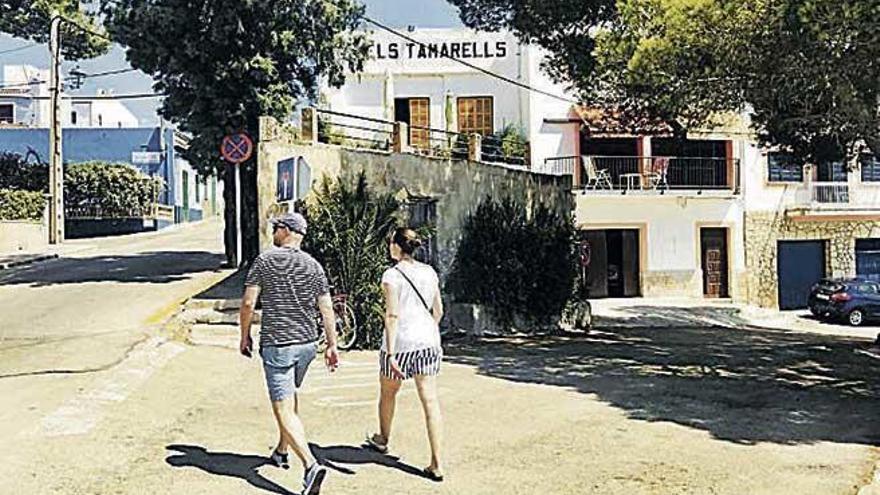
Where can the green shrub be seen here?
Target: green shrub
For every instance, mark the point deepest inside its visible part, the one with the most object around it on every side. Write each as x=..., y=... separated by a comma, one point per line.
x=21, y=205
x=109, y=190
x=348, y=227
x=513, y=263
x=16, y=173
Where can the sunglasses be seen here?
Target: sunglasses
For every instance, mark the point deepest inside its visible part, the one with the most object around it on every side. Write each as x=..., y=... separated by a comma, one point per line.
x=277, y=226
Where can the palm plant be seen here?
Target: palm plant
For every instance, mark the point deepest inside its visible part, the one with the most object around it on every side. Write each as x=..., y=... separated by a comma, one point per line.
x=349, y=225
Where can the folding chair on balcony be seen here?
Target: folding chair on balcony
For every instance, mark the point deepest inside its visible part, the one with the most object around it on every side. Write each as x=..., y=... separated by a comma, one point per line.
x=596, y=178
x=659, y=170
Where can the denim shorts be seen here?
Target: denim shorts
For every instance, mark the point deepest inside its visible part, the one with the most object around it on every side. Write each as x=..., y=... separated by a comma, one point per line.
x=286, y=367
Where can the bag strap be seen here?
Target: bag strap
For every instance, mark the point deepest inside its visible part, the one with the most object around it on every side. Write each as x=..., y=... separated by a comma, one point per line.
x=411, y=284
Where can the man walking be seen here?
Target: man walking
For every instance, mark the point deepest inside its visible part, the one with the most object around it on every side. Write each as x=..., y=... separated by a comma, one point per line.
x=293, y=288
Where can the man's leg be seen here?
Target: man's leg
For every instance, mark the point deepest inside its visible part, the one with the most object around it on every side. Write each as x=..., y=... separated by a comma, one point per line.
x=293, y=433
x=283, y=445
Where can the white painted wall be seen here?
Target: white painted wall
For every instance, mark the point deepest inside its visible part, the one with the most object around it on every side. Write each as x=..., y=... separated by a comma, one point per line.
x=36, y=112
x=416, y=74
x=673, y=241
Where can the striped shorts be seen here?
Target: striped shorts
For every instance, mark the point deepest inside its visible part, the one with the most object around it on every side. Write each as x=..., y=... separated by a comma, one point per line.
x=418, y=362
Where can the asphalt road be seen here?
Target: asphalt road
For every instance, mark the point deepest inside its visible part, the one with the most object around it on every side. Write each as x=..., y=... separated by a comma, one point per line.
x=100, y=296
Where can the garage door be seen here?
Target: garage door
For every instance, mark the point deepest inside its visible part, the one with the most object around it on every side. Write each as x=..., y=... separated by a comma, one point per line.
x=801, y=264
x=868, y=259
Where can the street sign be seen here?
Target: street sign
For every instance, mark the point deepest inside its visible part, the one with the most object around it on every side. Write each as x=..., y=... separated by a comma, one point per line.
x=146, y=157
x=237, y=148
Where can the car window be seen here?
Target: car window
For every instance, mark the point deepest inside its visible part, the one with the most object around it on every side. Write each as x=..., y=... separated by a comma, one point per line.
x=867, y=289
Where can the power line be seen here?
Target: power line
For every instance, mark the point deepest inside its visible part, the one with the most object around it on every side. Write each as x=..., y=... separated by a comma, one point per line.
x=130, y=96
x=71, y=78
x=470, y=65
x=19, y=48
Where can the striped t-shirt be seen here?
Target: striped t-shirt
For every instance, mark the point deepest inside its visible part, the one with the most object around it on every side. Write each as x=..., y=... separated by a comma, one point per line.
x=290, y=283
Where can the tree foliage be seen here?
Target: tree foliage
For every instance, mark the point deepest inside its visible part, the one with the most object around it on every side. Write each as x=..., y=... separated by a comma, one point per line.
x=496, y=264
x=30, y=19
x=18, y=204
x=224, y=63
x=110, y=190
x=17, y=174
x=349, y=225
x=563, y=27
x=806, y=71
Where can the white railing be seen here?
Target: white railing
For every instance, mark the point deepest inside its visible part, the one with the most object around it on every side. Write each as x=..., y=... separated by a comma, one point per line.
x=830, y=192
x=562, y=165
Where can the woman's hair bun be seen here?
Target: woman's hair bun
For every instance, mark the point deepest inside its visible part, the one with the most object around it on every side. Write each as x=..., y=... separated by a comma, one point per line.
x=407, y=239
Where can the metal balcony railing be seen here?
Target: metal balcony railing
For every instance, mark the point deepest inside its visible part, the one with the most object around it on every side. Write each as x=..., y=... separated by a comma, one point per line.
x=649, y=173
x=830, y=192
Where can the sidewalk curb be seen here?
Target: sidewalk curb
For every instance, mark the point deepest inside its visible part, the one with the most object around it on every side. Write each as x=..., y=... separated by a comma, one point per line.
x=28, y=261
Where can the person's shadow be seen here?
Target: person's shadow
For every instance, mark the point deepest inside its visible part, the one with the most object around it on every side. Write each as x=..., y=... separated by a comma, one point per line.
x=245, y=466
x=225, y=464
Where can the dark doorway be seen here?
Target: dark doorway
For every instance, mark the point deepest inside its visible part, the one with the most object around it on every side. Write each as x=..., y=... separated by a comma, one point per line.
x=714, y=262
x=613, y=268
x=868, y=259
x=800, y=265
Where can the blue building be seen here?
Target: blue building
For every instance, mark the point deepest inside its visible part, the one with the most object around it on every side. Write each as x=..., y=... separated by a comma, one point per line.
x=150, y=149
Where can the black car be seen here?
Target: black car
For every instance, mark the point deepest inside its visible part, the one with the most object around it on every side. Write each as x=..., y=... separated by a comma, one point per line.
x=853, y=300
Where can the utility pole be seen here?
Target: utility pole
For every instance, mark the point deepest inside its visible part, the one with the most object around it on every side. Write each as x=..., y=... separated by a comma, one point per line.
x=56, y=174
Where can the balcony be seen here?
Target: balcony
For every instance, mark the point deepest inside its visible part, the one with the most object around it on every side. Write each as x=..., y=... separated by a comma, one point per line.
x=822, y=200
x=649, y=174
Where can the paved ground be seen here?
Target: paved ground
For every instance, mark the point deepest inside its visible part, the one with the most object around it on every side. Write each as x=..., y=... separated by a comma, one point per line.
x=634, y=411
x=97, y=400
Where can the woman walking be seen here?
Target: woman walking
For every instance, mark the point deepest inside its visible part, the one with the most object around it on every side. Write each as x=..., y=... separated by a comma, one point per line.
x=411, y=343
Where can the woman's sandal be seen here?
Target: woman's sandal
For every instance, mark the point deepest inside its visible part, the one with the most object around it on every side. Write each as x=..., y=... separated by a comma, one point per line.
x=375, y=445
x=431, y=475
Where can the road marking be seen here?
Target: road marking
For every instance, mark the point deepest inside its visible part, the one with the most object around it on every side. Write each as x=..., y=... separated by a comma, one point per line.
x=338, y=376
x=309, y=390
x=335, y=402
x=81, y=413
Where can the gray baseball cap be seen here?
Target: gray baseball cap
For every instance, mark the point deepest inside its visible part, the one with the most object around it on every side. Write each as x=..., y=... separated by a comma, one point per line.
x=293, y=221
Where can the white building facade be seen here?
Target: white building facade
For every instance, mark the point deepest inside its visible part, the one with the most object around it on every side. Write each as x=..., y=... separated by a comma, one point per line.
x=24, y=101
x=418, y=83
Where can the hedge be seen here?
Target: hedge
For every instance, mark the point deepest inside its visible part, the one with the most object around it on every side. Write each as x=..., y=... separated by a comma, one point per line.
x=109, y=190
x=515, y=263
x=21, y=205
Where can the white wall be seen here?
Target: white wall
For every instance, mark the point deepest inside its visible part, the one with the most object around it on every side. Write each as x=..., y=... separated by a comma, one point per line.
x=434, y=77
x=672, y=237
x=759, y=194
x=549, y=139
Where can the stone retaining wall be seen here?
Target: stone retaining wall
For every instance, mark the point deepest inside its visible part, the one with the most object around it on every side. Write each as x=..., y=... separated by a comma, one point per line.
x=458, y=186
x=765, y=229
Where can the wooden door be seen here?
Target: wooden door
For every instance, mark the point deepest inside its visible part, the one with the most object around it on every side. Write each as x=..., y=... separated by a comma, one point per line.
x=714, y=262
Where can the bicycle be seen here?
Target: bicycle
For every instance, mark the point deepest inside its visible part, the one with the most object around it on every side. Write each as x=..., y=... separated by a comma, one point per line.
x=346, y=323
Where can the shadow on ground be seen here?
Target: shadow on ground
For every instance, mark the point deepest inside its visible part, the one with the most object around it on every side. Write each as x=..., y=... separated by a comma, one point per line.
x=156, y=267
x=665, y=316
x=225, y=464
x=246, y=467
x=231, y=287
x=743, y=386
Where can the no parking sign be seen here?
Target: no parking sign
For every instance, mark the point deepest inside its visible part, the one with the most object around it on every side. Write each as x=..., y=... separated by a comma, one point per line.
x=237, y=148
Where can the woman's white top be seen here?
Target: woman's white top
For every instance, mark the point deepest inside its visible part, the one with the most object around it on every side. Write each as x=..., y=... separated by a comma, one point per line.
x=416, y=328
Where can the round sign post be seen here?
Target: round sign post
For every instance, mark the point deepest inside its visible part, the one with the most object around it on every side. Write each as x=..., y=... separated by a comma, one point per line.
x=237, y=149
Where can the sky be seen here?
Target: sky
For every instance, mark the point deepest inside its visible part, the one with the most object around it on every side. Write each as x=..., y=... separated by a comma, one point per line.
x=399, y=13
